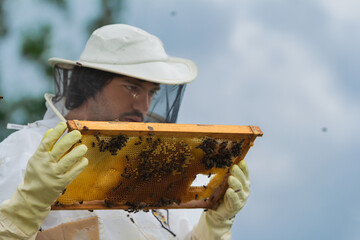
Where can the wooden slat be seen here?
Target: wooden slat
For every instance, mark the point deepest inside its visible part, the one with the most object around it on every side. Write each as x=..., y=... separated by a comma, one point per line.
x=163, y=129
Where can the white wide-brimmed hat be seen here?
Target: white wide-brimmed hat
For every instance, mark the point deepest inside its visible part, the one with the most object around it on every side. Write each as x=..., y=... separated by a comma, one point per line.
x=130, y=51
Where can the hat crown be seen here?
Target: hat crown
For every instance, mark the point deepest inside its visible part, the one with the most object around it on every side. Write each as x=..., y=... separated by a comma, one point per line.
x=122, y=44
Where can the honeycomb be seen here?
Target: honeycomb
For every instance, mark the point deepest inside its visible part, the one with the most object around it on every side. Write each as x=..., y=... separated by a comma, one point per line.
x=148, y=169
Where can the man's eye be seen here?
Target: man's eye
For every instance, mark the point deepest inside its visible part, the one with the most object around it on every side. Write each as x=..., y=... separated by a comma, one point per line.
x=131, y=88
x=153, y=93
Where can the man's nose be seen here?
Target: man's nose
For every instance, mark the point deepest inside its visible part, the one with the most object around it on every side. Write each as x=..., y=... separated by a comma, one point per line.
x=142, y=103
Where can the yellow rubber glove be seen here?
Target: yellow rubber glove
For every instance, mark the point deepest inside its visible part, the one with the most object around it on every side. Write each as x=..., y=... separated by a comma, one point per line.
x=216, y=224
x=47, y=174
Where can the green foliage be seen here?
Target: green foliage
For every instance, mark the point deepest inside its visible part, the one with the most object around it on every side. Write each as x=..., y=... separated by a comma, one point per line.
x=3, y=27
x=59, y=3
x=110, y=13
x=23, y=111
x=36, y=46
x=35, y=43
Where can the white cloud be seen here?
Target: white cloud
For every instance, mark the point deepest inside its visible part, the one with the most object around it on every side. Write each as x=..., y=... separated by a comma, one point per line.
x=296, y=85
x=345, y=10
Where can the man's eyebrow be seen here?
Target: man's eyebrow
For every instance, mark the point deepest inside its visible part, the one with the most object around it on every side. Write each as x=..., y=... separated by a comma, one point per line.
x=157, y=87
x=138, y=83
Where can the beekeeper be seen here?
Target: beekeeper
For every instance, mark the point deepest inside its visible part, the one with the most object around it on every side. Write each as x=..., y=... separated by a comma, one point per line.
x=123, y=74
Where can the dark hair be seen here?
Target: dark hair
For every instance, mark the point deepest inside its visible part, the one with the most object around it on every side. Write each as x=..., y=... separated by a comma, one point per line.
x=79, y=84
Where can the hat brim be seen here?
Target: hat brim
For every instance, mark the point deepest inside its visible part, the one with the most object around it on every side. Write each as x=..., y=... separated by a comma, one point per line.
x=172, y=71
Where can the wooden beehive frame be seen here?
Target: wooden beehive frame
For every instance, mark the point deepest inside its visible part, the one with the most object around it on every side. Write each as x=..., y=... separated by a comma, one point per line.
x=230, y=132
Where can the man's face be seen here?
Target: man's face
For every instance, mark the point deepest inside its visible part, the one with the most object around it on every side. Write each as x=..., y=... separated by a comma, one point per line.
x=123, y=99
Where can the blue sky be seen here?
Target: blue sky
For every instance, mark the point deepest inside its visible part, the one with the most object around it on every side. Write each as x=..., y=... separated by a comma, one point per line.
x=290, y=67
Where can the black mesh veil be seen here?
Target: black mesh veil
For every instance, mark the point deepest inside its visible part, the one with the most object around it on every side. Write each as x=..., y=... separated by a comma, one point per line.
x=164, y=106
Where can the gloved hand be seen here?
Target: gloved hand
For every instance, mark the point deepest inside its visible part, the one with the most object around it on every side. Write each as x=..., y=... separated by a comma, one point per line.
x=47, y=174
x=216, y=224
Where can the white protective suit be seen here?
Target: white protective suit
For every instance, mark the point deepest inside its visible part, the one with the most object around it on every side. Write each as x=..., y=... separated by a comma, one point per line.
x=16, y=150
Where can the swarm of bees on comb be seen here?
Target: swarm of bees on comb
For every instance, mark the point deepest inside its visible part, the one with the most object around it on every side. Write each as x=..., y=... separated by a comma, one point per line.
x=150, y=170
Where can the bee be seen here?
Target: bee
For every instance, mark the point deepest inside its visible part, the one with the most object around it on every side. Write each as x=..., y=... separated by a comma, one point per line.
x=81, y=202
x=63, y=191
x=108, y=204
x=127, y=158
x=80, y=141
x=132, y=220
x=126, y=176
x=131, y=188
x=196, y=196
x=209, y=175
x=115, y=188
x=170, y=186
x=96, y=135
x=90, y=210
x=85, y=128
x=204, y=186
x=93, y=144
